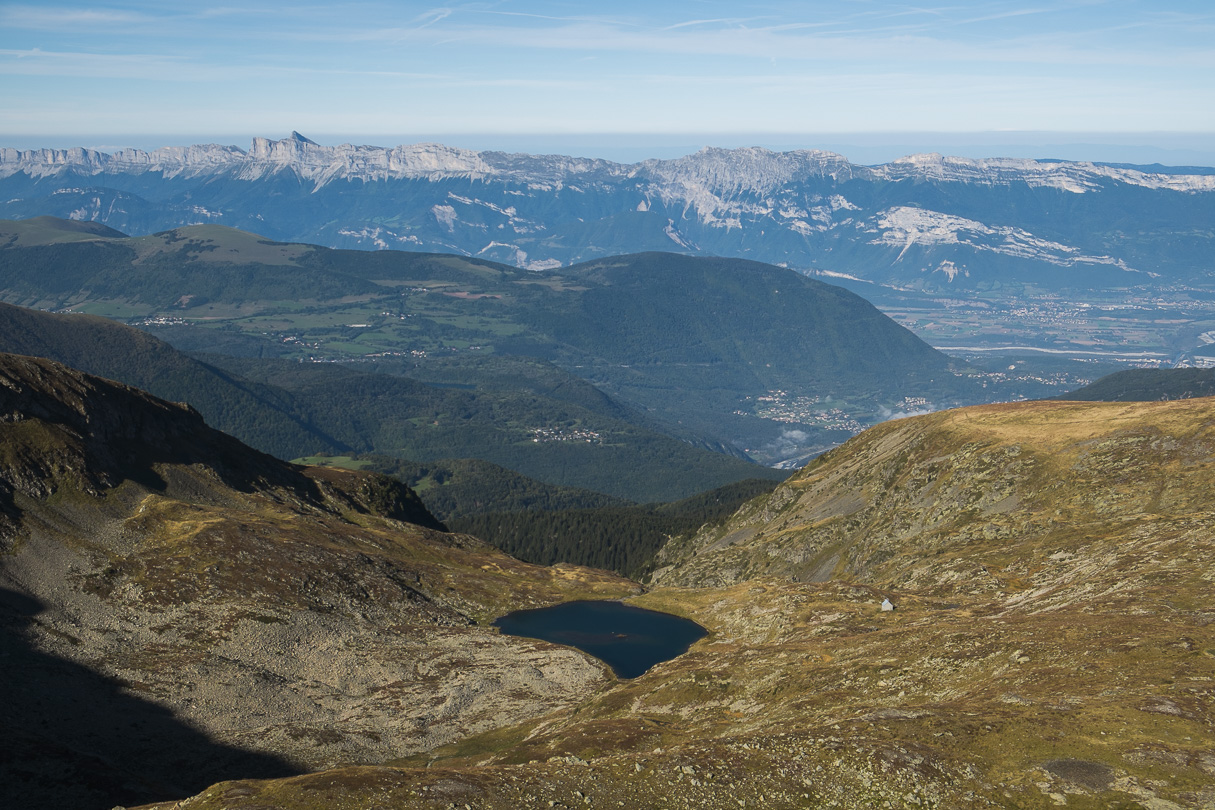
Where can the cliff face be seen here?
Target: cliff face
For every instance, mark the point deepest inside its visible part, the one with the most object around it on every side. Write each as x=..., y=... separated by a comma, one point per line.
x=724, y=172
x=921, y=221
x=169, y=595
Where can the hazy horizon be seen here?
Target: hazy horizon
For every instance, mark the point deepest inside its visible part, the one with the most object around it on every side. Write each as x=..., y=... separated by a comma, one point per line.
x=495, y=76
x=1168, y=149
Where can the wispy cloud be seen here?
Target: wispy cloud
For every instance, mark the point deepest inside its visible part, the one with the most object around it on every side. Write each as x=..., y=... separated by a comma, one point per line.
x=636, y=65
x=36, y=62
x=43, y=18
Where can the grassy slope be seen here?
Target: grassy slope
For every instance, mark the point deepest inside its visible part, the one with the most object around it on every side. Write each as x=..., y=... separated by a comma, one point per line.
x=1052, y=643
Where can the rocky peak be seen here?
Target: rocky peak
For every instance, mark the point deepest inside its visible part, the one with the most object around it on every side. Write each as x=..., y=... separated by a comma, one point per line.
x=749, y=169
x=721, y=172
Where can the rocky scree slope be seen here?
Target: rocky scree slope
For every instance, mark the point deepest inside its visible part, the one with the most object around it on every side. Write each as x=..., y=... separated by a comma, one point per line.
x=1052, y=643
x=178, y=608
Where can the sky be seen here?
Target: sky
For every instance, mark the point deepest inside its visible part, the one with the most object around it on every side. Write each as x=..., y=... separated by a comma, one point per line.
x=537, y=75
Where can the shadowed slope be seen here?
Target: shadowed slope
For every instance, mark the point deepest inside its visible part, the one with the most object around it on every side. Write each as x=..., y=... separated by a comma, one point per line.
x=73, y=737
x=177, y=602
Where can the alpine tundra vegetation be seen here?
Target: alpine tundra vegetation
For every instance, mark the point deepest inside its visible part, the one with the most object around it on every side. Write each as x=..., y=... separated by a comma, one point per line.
x=196, y=600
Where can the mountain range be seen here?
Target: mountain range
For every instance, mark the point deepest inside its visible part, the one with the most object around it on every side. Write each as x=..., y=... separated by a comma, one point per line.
x=923, y=222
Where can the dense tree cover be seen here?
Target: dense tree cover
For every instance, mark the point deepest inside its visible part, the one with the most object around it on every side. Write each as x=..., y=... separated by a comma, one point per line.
x=551, y=440
x=508, y=373
x=456, y=488
x=667, y=308
x=619, y=538
x=1148, y=385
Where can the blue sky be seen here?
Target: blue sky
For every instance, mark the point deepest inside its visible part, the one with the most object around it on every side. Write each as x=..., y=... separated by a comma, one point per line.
x=382, y=72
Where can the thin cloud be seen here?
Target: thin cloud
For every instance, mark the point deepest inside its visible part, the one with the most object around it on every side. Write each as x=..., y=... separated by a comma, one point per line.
x=730, y=21
x=433, y=16
x=39, y=18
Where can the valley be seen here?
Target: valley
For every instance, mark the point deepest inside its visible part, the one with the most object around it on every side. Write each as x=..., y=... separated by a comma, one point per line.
x=285, y=434
x=1051, y=640
x=1158, y=328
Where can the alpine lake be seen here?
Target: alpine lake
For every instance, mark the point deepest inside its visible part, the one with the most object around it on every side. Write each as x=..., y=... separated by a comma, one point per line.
x=628, y=639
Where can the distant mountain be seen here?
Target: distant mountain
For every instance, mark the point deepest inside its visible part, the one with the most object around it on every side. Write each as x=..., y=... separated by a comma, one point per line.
x=728, y=354
x=1147, y=385
x=178, y=609
x=924, y=221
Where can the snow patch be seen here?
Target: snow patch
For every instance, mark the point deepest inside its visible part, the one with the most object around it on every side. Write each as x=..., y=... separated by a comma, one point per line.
x=838, y=203
x=951, y=270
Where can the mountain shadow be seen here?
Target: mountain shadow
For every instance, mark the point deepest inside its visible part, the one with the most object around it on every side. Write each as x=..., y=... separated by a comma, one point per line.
x=72, y=737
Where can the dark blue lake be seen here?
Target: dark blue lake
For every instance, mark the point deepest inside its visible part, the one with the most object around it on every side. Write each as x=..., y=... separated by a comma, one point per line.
x=628, y=639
